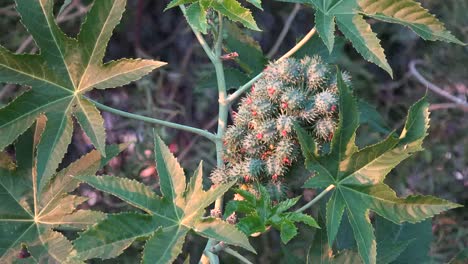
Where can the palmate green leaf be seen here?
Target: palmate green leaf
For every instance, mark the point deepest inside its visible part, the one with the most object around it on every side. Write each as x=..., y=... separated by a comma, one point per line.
x=256, y=3
x=232, y=9
x=251, y=58
x=196, y=16
x=320, y=252
x=29, y=217
x=405, y=243
x=370, y=116
x=348, y=15
x=60, y=75
x=358, y=175
x=168, y=218
x=259, y=214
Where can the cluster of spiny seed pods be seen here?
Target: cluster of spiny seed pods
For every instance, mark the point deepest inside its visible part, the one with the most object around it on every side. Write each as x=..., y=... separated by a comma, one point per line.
x=261, y=145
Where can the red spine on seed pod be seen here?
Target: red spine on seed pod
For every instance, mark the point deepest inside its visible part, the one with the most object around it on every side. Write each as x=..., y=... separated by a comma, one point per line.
x=274, y=177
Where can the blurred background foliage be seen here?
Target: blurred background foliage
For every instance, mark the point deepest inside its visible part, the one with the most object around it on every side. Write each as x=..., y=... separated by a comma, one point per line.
x=182, y=92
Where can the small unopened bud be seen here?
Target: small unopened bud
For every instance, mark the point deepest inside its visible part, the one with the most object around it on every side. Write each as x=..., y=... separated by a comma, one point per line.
x=216, y=213
x=24, y=253
x=232, y=219
x=230, y=56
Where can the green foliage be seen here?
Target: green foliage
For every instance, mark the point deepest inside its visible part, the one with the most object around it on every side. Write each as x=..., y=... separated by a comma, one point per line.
x=196, y=12
x=321, y=251
x=167, y=219
x=293, y=97
x=30, y=217
x=260, y=214
x=460, y=258
x=403, y=243
x=349, y=16
x=60, y=75
x=369, y=115
x=358, y=175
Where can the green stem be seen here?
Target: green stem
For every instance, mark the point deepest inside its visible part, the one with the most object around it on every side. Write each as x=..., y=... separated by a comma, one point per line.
x=222, y=111
x=197, y=131
x=288, y=54
x=237, y=255
x=222, y=121
x=316, y=199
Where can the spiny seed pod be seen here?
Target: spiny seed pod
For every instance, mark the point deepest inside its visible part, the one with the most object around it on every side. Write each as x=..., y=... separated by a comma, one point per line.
x=325, y=128
x=262, y=109
x=317, y=72
x=233, y=137
x=256, y=167
x=273, y=90
x=252, y=145
x=289, y=71
x=285, y=148
x=284, y=124
x=333, y=85
x=242, y=117
x=275, y=167
x=220, y=176
x=266, y=131
x=325, y=102
x=309, y=114
x=293, y=100
x=261, y=146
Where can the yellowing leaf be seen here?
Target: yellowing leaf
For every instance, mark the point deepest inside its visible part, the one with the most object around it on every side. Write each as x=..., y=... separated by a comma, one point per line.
x=28, y=217
x=348, y=15
x=168, y=218
x=60, y=75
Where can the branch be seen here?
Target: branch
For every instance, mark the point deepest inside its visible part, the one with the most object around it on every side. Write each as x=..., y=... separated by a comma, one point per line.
x=459, y=101
x=284, y=31
x=193, y=130
x=231, y=98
